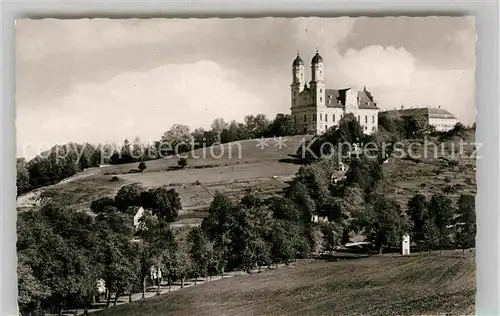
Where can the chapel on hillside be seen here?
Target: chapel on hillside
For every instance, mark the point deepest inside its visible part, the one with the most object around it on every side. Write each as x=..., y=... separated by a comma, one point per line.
x=315, y=108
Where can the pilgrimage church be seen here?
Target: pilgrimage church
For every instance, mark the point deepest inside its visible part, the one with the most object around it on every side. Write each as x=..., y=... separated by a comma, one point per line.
x=315, y=108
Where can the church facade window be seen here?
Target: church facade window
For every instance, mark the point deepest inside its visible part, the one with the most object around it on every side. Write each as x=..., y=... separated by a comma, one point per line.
x=366, y=118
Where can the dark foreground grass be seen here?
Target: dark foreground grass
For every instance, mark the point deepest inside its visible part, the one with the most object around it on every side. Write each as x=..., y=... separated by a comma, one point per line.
x=414, y=285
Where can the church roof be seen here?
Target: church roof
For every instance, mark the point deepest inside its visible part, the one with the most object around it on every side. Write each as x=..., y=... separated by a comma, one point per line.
x=298, y=61
x=336, y=98
x=317, y=59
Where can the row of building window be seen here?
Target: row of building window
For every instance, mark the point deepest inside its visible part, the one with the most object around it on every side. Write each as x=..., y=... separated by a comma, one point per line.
x=333, y=117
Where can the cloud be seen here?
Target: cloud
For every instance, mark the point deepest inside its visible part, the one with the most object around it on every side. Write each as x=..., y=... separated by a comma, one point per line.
x=101, y=79
x=395, y=78
x=143, y=104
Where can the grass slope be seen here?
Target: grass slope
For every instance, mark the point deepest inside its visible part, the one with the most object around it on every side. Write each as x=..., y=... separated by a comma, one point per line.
x=235, y=168
x=419, y=285
x=428, y=174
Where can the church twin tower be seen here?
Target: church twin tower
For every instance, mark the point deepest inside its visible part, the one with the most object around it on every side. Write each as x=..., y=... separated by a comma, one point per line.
x=316, y=108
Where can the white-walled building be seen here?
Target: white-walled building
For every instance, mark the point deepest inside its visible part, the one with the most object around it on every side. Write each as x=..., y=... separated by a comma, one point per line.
x=139, y=212
x=315, y=108
x=440, y=118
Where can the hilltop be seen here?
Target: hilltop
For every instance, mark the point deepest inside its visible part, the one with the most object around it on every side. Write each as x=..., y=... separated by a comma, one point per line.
x=242, y=166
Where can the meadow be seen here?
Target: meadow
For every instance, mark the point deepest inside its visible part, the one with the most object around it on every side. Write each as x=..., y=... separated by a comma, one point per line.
x=420, y=284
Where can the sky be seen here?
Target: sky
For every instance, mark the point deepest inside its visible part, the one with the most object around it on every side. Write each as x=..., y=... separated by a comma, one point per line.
x=103, y=80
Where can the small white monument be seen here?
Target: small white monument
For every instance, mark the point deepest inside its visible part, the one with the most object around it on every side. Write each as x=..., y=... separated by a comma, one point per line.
x=405, y=245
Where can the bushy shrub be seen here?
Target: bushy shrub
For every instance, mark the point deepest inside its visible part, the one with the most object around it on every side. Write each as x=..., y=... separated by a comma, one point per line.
x=182, y=163
x=142, y=165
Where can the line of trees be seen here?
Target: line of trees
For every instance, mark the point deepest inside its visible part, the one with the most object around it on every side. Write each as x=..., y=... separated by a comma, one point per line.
x=58, y=163
x=63, y=161
x=440, y=224
x=179, y=138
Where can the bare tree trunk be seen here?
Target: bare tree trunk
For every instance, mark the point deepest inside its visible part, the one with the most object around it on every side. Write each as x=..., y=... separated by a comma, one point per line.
x=158, y=286
x=210, y=278
x=169, y=283
x=116, y=298
x=182, y=282
x=60, y=309
x=143, y=287
x=195, y=280
x=108, y=300
x=130, y=296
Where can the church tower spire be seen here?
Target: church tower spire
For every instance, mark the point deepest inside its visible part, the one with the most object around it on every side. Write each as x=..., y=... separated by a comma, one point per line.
x=317, y=84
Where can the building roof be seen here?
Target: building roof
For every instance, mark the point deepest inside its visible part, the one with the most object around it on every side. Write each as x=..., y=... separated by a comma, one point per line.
x=317, y=58
x=298, y=61
x=440, y=113
x=436, y=113
x=337, y=98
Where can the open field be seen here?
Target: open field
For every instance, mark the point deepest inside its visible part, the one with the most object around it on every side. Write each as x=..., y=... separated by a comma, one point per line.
x=241, y=166
x=380, y=285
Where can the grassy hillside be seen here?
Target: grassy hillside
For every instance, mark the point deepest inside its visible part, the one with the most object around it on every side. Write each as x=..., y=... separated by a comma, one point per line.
x=266, y=170
x=233, y=169
x=417, y=284
x=429, y=173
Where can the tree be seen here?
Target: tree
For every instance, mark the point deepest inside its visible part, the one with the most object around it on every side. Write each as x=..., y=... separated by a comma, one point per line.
x=431, y=235
x=416, y=125
x=142, y=165
x=465, y=223
x=458, y=130
x=105, y=204
x=385, y=223
x=441, y=211
x=162, y=202
x=200, y=252
x=218, y=126
x=182, y=163
x=282, y=125
x=23, y=176
x=218, y=226
x=183, y=256
x=128, y=195
x=283, y=242
x=31, y=290
x=365, y=173
x=178, y=138
x=392, y=123
x=256, y=125
x=417, y=210
x=57, y=244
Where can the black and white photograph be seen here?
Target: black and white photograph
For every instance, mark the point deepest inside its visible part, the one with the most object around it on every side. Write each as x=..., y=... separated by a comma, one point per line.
x=246, y=166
